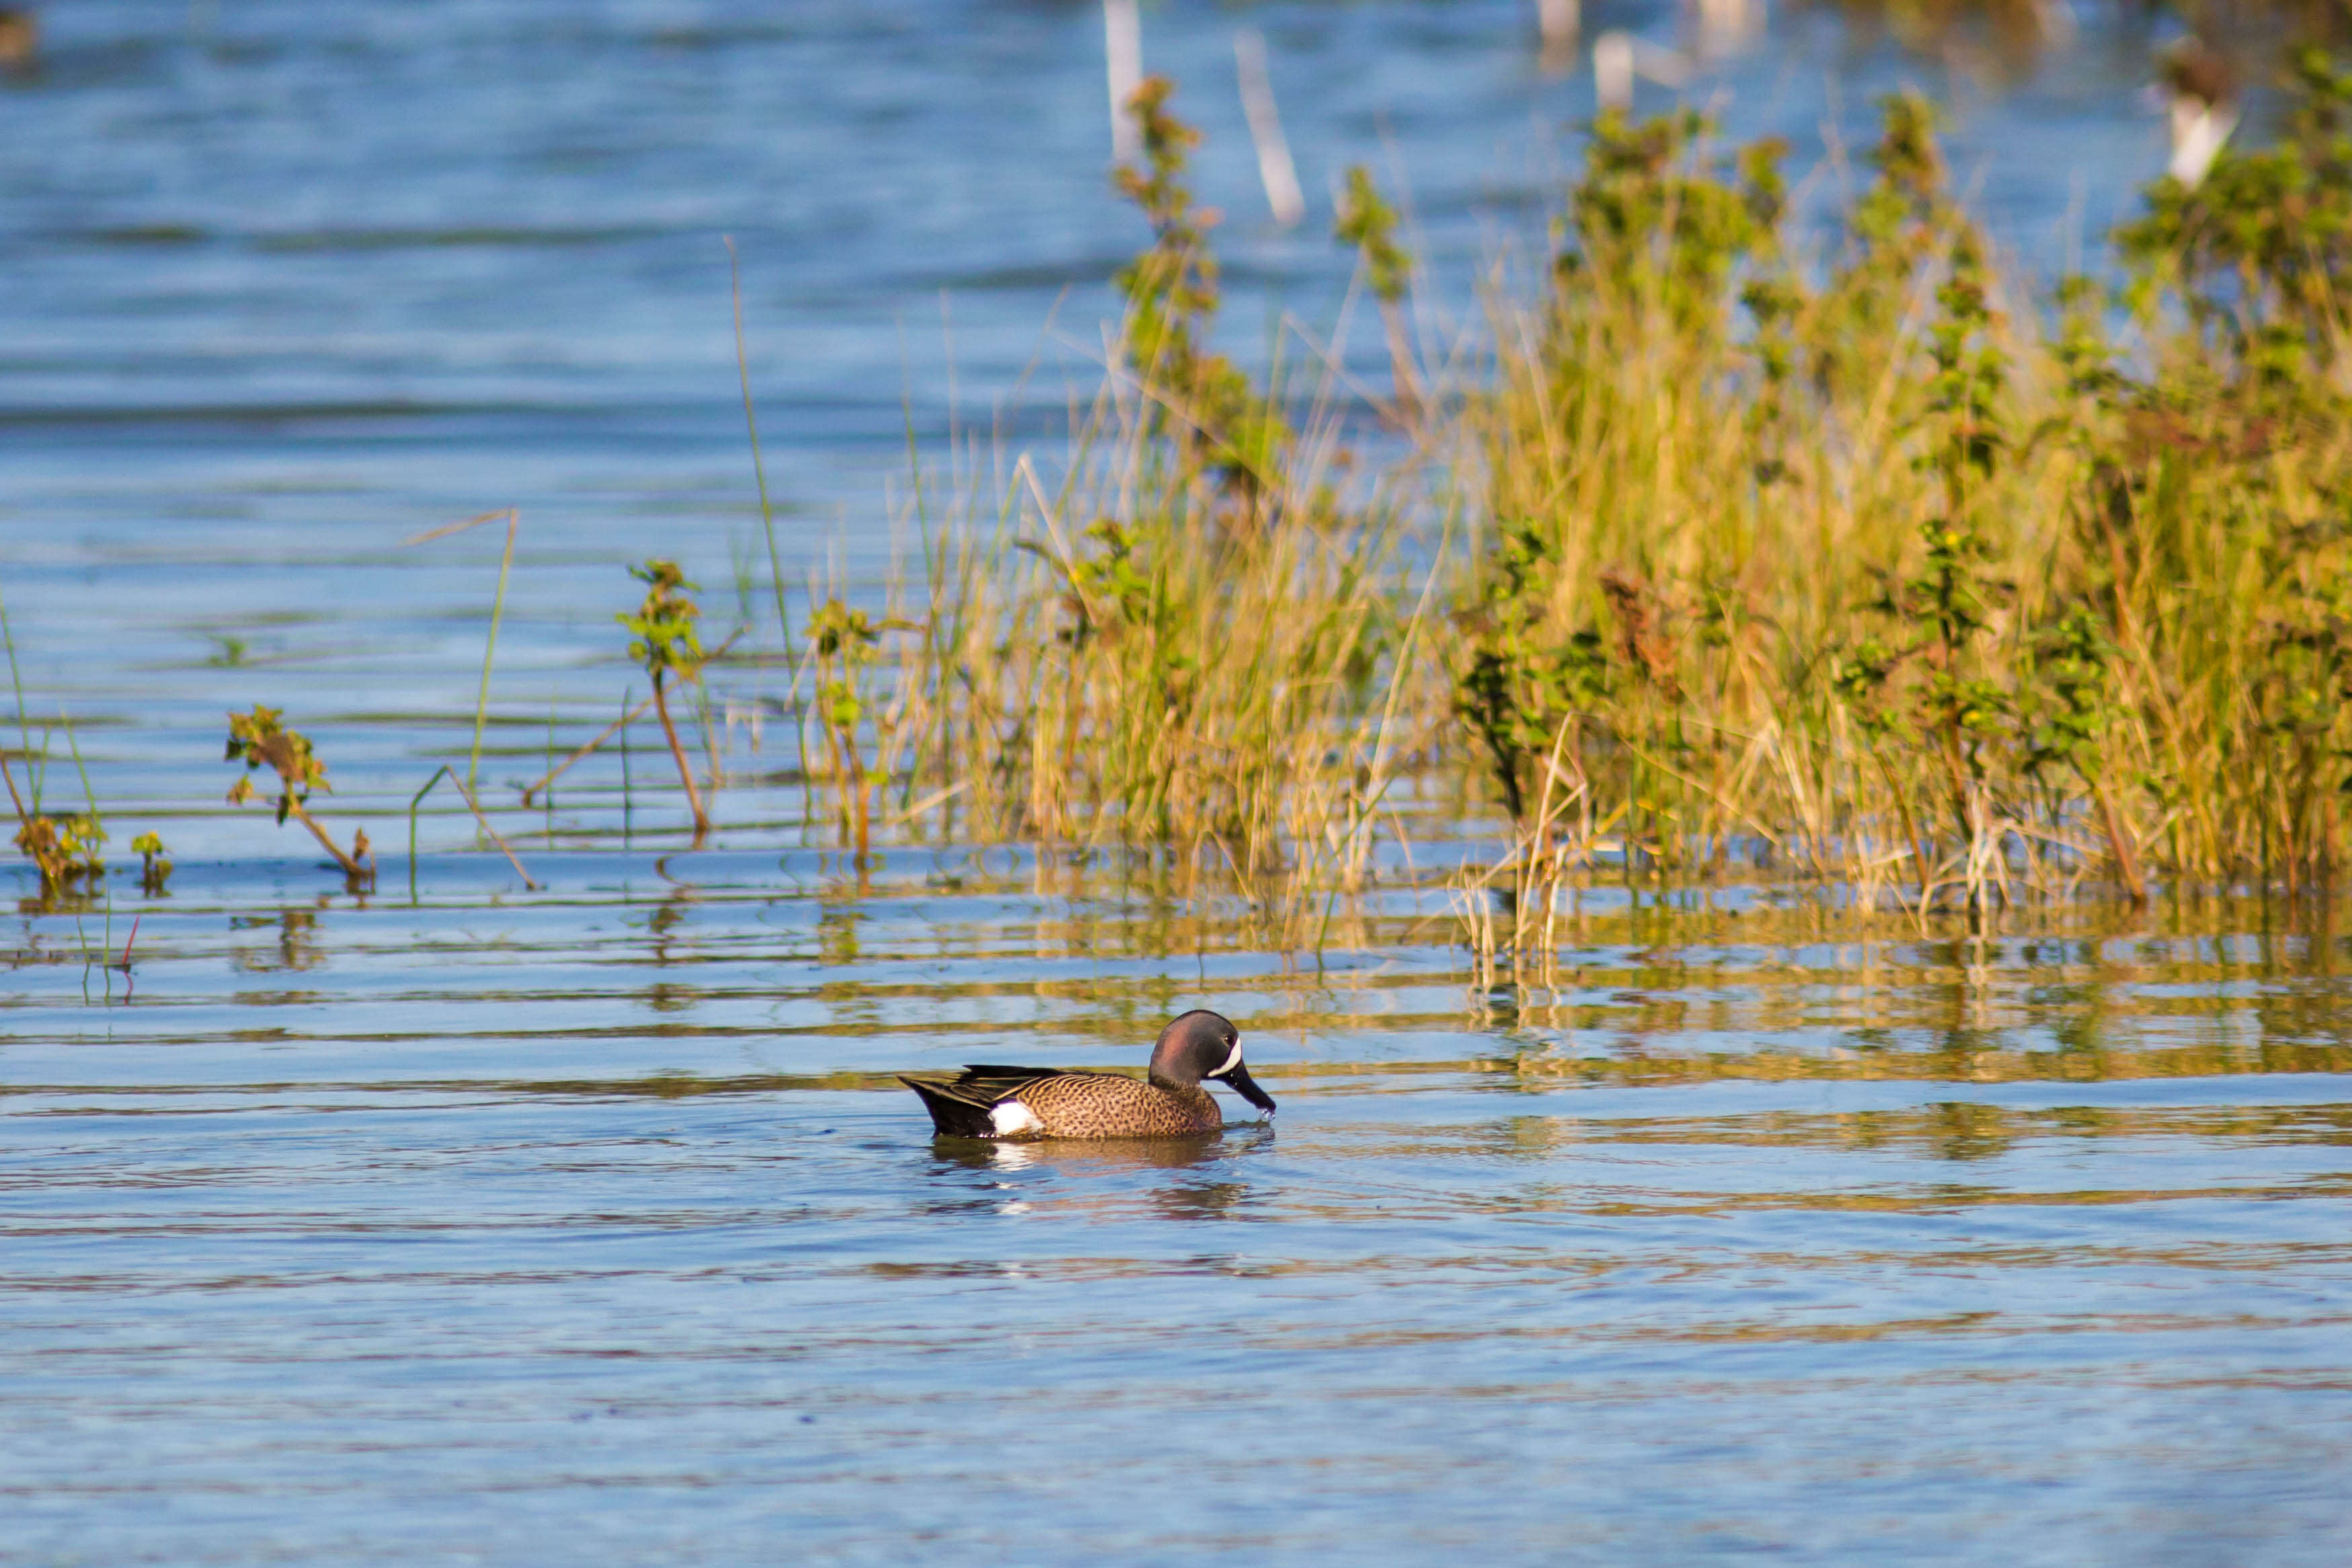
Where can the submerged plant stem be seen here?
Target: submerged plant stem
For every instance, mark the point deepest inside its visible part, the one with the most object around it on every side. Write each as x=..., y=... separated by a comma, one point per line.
x=351, y=866
x=678, y=751
x=472, y=804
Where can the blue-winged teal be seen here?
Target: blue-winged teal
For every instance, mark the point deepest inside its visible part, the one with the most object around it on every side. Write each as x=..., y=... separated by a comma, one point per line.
x=1045, y=1102
x=2199, y=88
x=20, y=39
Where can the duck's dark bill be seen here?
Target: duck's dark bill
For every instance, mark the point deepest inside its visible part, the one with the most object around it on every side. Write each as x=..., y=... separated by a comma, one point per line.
x=1247, y=1087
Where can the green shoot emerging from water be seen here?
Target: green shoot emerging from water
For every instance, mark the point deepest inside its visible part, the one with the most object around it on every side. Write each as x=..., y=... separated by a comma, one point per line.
x=155, y=869
x=845, y=641
x=666, y=644
x=257, y=740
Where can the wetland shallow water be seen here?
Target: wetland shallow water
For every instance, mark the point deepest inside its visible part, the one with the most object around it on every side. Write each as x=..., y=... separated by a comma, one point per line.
x=583, y=1224
x=587, y=1222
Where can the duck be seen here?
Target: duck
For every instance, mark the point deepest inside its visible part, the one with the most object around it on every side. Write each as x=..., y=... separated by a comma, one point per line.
x=1024, y=1104
x=20, y=38
x=2199, y=88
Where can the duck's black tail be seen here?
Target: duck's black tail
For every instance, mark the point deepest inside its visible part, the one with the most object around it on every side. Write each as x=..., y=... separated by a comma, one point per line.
x=960, y=1103
x=950, y=1117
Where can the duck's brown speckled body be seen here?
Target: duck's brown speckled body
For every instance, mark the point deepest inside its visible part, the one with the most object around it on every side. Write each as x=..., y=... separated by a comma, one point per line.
x=1024, y=1103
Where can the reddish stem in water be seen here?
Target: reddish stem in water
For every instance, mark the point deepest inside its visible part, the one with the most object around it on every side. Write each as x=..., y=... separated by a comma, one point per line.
x=351, y=868
x=684, y=773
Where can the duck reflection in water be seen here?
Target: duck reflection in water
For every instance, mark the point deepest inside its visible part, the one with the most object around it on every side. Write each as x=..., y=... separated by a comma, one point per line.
x=1087, y=1164
x=1082, y=1157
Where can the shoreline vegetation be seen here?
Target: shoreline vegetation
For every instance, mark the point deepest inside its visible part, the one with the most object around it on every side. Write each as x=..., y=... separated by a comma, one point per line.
x=1860, y=563
x=1875, y=567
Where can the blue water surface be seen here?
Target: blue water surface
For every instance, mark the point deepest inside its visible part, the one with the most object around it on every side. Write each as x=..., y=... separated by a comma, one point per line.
x=467, y=1220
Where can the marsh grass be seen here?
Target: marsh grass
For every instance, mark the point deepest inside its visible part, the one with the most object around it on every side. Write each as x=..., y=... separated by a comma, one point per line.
x=1178, y=633
x=1863, y=565
x=1883, y=568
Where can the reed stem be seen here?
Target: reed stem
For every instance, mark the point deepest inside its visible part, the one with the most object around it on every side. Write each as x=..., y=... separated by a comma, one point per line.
x=678, y=751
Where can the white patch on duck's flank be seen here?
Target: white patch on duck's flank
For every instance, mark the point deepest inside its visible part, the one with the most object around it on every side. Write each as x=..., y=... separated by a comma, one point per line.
x=1010, y=1117
x=1232, y=1061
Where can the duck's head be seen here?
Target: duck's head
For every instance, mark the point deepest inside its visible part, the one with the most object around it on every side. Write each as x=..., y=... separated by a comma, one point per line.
x=2192, y=71
x=1204, y=1047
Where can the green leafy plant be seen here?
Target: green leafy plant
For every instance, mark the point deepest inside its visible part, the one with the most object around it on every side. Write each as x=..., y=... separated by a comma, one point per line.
x=666, y=643
x=1367, y=223
x=1856, y=340
x=65, y=848
x=1524, y=682
x=1220, y=421
x=844, y=641
x=1663, y=221
x=155, y=867
x=260, y=739
x=2074, y=710
x=1945, y=609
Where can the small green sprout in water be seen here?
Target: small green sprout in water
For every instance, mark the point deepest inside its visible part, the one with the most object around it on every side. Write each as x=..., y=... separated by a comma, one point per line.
x=258, y=740
x=845, y=641
x=667, y=645
x=155, y=868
